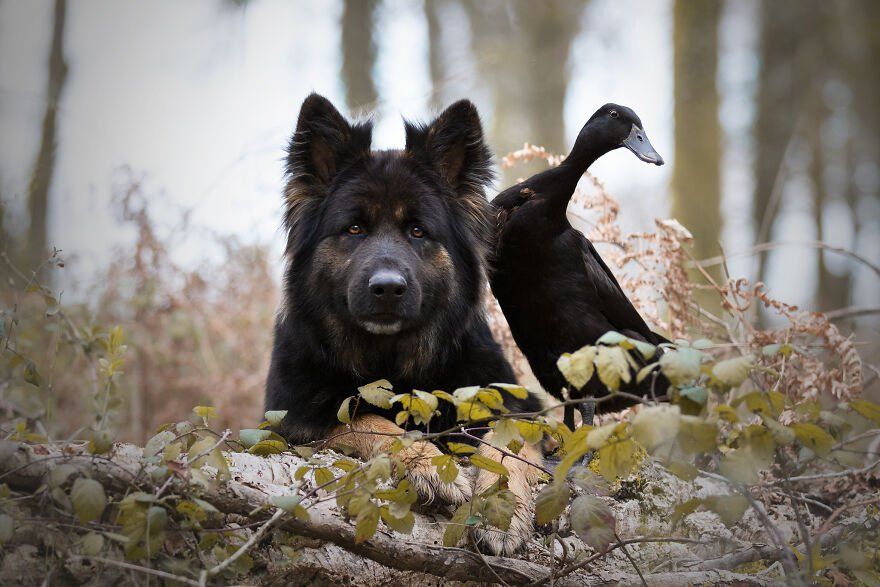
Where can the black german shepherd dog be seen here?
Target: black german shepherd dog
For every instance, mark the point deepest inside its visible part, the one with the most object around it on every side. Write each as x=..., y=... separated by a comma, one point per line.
x=386, y=278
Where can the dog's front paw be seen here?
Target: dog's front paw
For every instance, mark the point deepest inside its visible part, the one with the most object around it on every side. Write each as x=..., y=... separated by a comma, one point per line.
x=509, y=542
x=422, y=475
x=522, y=477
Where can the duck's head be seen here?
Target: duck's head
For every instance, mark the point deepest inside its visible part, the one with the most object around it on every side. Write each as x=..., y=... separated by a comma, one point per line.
x=618, y=126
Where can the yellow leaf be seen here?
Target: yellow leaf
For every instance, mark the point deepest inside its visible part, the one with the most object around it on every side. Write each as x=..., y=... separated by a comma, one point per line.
x=656, y=426
x=377, y=393
x=517, y=391
x=697, y=435
x=577, y=367
x=205, y=412
x=343, y=414
x=470, y=411
x=613, y=367
x=617, y=459
x=551, y=502
x=530, y=431
x=367, y=522
x=446, y=468
x=869, y=410
x=813, y=437
x=732, y=372
x=493, y=466
x=504, y=432
x=460, y=448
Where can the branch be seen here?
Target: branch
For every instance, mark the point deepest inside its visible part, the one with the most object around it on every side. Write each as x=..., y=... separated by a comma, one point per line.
x=26, y=467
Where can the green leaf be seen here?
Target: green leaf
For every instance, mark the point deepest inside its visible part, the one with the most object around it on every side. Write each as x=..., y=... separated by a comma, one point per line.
x=457, y=525
x=446, y=468
x=205, y=412
x=100, y=442
x=265, y=448
x=682, y=470
x=404, y=524
x=274, y=417
x=698, y=395
x=288, y=503
x=593, y=522
x=323, y=476
x=869, y=410
x=92, y=544
x=7, y=528
x=813, y=437
x=681, y=365
x=517, y=391
x=733, y=372
x=697, y=435
x=31, y=375
x=157, y=444
x=685, y=509
x=379, y=394
x=367, y=522
x=577, y=367
x=656, y=426
x=617, y=459
x=157, y=518
x=460, y=448
x=88, y=499
x=551, y=502
x=498, y=509
x=504, y=432
x=251, y=436
x=487, y=464
x=730, y=508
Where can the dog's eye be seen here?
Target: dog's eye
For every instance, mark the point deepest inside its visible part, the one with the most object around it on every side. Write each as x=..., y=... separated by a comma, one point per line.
x=417, y=232
x=614, y=114
x=355, y=229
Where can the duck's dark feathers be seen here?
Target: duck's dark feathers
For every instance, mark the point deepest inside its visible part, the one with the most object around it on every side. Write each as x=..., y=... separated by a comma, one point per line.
x=555, y=290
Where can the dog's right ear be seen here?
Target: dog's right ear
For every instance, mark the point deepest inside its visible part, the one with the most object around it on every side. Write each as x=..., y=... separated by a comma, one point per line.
x=324, y=142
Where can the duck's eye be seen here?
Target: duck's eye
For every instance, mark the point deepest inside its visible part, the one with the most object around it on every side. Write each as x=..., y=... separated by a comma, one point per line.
x=416, y=232
x=614, y=114
x=355, y=229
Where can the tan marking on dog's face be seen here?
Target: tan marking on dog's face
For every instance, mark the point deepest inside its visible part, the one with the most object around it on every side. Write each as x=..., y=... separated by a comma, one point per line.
x=399, y=213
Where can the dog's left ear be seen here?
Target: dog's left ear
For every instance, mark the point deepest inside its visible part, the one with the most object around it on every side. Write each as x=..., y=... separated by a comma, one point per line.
x=453, y=145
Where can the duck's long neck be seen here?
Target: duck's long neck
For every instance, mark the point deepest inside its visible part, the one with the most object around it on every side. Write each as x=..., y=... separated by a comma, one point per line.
x=588, y=147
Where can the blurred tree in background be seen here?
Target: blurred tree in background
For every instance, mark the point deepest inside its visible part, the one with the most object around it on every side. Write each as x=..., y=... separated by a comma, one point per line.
x=359, y=55
x=696, y=180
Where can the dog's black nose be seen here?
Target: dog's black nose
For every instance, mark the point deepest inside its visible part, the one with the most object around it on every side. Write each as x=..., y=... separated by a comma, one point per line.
x=387, y=285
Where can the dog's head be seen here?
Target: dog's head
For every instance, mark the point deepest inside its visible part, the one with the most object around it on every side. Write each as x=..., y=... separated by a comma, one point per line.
x=386, y=242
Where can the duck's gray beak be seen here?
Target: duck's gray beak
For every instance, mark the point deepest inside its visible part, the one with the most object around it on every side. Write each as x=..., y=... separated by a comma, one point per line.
x=638, y=143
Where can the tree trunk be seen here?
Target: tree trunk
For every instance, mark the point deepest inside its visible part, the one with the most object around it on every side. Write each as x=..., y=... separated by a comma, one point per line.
x=522, y=48
x=696, y=179
x=359, y=55
x=37, y=243
x=435, y=54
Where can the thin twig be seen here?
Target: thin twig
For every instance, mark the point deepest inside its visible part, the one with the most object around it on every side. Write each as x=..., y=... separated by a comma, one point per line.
x=255, y=537
x=137, y=568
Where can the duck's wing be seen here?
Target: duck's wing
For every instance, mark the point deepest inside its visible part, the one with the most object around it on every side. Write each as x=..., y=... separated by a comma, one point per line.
x=615, y=306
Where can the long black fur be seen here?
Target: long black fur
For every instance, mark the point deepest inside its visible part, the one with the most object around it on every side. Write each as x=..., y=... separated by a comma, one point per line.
x=321, y=353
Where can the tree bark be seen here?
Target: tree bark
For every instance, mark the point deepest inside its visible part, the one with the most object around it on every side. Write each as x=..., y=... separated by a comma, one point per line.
x=417, y=559
x=359, y=55
x=36, y=244
x=522, y=48
x=696, y=179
